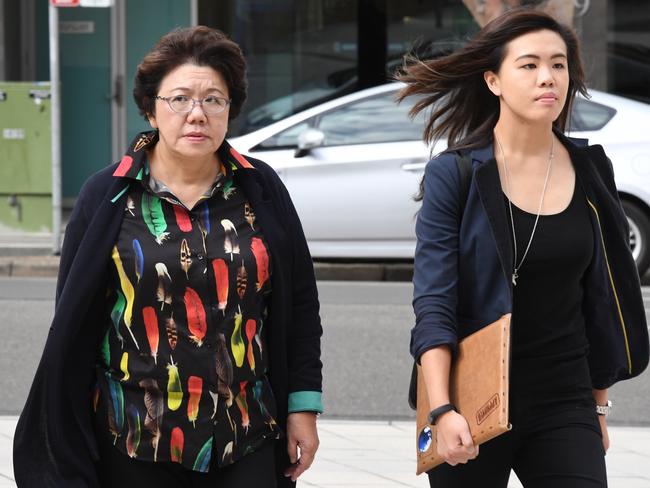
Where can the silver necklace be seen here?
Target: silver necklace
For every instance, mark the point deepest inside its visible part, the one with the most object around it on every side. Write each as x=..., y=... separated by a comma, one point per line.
x=517, y=267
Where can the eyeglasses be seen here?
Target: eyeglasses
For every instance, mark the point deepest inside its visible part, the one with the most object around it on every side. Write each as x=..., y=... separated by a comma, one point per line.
x=182, y=104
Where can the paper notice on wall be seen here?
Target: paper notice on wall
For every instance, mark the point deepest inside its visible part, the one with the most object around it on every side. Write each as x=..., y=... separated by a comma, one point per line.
x=13, y=134
x=76, y=27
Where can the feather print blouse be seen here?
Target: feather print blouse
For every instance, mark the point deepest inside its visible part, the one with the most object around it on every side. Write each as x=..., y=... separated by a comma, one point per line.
x=181, y=369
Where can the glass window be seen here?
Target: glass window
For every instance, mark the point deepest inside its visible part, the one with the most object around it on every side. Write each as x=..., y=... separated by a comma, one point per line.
x=626, y=49
x=301, y=53
x=286, y=139
x=297, y=53
x=372, y=120
x=588, y=115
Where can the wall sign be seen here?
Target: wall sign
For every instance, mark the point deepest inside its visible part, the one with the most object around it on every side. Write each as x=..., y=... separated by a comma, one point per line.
x=64, y=3
x=77, y=27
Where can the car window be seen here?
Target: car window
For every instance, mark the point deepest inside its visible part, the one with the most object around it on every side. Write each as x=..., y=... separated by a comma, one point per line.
x=588, y=115
x=372, y=120
x=286, y=139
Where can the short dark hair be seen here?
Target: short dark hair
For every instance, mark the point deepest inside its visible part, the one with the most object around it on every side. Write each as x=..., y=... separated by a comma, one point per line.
x=463, y=108
x=199, y=45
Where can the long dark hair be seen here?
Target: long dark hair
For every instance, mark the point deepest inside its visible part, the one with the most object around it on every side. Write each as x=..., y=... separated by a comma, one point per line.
x=462, y=108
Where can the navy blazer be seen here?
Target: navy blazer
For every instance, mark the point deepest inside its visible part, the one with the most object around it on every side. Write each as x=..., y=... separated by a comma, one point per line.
x=462, y=276
x=54, y=443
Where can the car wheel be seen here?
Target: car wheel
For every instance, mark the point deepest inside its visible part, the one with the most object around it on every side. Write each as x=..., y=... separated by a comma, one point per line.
x=639, y=235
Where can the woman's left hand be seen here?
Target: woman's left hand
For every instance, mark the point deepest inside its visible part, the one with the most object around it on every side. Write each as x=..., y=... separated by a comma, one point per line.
x=301, y=435
x=603, y=428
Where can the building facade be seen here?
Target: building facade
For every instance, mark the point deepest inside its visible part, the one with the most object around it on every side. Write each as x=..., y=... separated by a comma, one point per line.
x=299, y=52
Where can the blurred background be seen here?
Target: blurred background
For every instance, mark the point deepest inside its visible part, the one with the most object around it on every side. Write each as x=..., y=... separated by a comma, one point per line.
x=321, y=112
x=317, y=65
x=300, y=53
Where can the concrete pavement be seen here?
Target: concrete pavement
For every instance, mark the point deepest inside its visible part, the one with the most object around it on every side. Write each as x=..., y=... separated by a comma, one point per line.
x=356, y=454
x=352, y=453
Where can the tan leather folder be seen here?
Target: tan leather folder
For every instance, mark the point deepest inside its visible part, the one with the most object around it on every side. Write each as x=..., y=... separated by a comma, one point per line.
x=478, y=387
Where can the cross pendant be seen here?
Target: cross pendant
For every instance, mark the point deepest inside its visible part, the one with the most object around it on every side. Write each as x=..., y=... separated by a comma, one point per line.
x=514, y=278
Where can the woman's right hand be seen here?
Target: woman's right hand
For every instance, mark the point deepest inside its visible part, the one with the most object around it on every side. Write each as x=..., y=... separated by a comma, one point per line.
x=454, y=439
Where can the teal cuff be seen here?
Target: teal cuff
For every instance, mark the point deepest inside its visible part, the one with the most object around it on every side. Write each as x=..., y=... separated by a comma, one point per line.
x=305, y=401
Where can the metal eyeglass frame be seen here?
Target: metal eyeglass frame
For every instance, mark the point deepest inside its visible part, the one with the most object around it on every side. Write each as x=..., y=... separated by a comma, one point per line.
x=194, y=101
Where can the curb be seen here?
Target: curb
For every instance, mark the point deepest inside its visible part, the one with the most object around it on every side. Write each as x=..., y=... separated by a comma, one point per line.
x=363, y=271
x=48, y=267
x=29, y=266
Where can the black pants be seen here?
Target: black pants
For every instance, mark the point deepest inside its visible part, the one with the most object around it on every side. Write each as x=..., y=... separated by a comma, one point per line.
x=557, y=446
x=117, y=470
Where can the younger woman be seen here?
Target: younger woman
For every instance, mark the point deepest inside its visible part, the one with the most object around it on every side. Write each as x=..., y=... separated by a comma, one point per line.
x=543, y=236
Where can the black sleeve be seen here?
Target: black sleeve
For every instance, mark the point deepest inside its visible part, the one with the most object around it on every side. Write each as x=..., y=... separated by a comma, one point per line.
x=304, y=336
x=74, y=232
x=37, y=450
x=304, y=330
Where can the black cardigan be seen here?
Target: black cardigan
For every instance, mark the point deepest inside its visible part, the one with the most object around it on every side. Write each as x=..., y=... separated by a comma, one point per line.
x=54, y=443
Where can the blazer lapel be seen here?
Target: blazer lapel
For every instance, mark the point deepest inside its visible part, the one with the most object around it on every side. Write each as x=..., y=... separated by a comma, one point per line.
x=489, y=189
x=274, y=228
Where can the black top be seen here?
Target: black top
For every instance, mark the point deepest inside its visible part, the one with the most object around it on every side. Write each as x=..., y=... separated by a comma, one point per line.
x=549, y=344
x=181, y=371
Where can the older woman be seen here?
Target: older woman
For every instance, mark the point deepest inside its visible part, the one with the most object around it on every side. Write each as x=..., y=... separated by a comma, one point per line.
x=185, y=346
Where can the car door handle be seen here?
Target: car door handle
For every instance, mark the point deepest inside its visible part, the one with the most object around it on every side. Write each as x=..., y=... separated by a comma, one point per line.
x=414, y=167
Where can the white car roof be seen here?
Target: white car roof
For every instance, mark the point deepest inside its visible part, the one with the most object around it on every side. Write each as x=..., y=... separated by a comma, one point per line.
x=630, y=124
x=253, y=138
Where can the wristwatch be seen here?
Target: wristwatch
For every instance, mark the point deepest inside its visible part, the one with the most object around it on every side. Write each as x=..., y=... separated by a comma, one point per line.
x=604, y=409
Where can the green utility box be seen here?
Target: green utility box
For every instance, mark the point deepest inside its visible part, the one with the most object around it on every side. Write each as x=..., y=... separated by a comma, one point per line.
x=25, y=157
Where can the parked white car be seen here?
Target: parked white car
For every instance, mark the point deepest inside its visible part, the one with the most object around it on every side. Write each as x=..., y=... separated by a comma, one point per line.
x=352, y=166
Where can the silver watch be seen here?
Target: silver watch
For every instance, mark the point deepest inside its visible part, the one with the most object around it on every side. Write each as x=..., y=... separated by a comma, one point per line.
x=604, y=409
